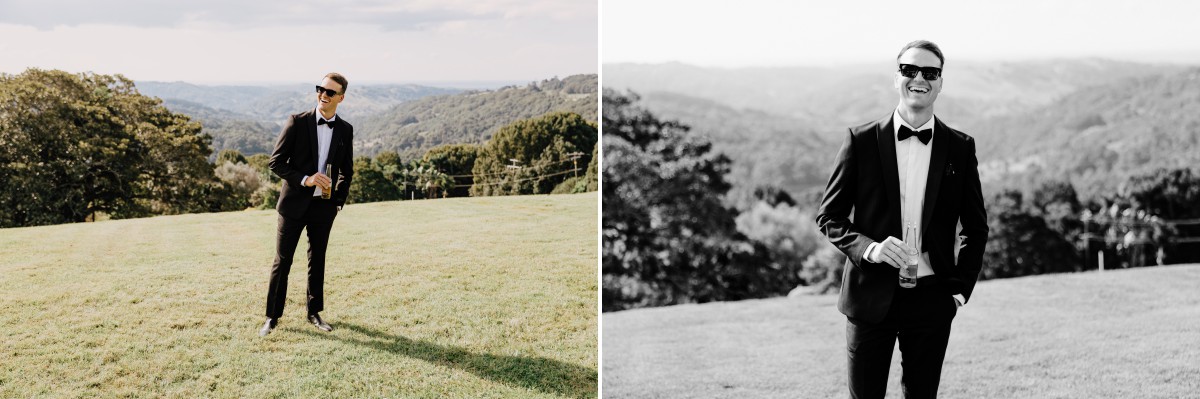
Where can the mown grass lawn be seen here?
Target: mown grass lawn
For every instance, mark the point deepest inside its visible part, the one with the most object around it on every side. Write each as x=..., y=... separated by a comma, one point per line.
x=461, y=298
x=1118, y=334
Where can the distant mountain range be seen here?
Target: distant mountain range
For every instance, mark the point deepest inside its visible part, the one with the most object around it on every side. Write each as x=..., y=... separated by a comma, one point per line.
x=1099, y=136
x=837, y=97
x=414, y=127
x=408, y=119
x=1021, y=113
x=765, y=148
x=275, y=103
x=229, y=129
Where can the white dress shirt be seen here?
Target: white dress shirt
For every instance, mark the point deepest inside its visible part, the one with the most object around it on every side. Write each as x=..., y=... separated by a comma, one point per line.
x=324, y=137
x=912, y=166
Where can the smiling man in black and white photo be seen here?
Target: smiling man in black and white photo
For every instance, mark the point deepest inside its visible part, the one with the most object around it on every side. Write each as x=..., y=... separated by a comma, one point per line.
x=900, y=187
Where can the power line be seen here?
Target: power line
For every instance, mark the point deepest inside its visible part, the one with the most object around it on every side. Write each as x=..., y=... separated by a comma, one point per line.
x=518, y=180
x=413, y=181
x=505, y=173
x=541, y=166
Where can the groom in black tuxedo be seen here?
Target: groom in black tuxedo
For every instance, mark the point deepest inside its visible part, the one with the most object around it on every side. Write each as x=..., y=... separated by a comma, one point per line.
x=314, y=156
x=911, y=170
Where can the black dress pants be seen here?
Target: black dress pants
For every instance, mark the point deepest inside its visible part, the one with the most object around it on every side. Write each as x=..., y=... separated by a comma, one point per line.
x=317, y=220
x=920, y=319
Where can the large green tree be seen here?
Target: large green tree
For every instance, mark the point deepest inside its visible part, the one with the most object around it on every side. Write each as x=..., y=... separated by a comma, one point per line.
x=458, y=162
x=267, y=194
x=429, y=180
x=667, y=237
x=1171, y=194
x=76, y=145
x=377, y=179
x=1021, y=243
x=242, y=182
x=533, y=156
x=1167, y=193
x=65, y=149
x=231, y=156
x=593, y=177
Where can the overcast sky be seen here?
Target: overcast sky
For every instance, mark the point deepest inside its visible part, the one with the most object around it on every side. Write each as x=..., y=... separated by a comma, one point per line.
x=284, y=41
x=822, y=33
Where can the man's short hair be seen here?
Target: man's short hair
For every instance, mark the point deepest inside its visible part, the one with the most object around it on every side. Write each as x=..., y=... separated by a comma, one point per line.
x=337, y=77
x=924, y=45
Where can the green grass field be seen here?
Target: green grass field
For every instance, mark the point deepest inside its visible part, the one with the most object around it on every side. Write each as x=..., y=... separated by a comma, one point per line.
x=462, y=298
x=1118, y=334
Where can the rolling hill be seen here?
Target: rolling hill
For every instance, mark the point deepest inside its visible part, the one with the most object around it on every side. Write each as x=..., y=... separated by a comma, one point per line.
x=229, y=129
x=1098, y=136
x=248, y=118
x=1091, y=121
x=765, y=148
x=472, y=117
x=452, y=298
x=274, y=103
x=834, y=98
x=408, y=119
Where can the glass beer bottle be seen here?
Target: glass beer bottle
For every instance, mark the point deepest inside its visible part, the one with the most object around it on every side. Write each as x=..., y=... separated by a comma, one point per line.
x=325, y=194
x=908, y=273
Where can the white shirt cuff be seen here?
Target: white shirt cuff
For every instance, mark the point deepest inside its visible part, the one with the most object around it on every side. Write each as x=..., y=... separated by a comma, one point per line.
x=961, y=300
x=870, y=251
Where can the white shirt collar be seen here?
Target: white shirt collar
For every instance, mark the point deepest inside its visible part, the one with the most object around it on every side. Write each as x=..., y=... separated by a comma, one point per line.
x=318, y=112
x=897, y=121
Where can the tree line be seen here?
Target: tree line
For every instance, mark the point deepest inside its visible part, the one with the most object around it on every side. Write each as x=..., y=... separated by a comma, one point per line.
x=667, y=236
x=672, y=234
x=85, y=147
x=74, y=146
x=554, y=153
x=1151, y=219
x=548, y=150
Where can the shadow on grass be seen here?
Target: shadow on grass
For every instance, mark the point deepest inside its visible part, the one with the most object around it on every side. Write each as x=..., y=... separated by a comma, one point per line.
x=542, y=374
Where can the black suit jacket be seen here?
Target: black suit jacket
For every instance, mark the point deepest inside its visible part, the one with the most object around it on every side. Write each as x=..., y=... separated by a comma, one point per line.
x=862, y=205
x=295, y=156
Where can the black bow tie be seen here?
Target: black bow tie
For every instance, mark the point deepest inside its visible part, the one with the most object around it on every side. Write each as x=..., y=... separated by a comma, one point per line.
x=923, y=135
x=322, y=121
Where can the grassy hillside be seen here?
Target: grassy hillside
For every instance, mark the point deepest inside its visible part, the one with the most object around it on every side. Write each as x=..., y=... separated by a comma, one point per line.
x=462, y=298
x=1116, y=334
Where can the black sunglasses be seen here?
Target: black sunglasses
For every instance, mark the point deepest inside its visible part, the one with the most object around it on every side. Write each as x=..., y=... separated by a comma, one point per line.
x=930, y=73
x=327, y=92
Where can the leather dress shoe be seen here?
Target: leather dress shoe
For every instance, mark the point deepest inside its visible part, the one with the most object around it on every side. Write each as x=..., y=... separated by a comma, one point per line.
x=268, y=326
x=316, y=321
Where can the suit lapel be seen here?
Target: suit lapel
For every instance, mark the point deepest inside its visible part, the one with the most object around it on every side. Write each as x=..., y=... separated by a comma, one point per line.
x=937, y=167
x=312, y=138
x=886, y=138
x=335, y=145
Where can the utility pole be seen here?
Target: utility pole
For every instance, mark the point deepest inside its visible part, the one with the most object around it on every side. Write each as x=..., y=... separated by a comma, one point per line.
x=575, y=159
x=513, y=169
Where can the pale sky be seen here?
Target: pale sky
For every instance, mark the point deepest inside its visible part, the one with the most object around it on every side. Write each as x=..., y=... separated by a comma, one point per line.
x=285, y=41
x=830, y=32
